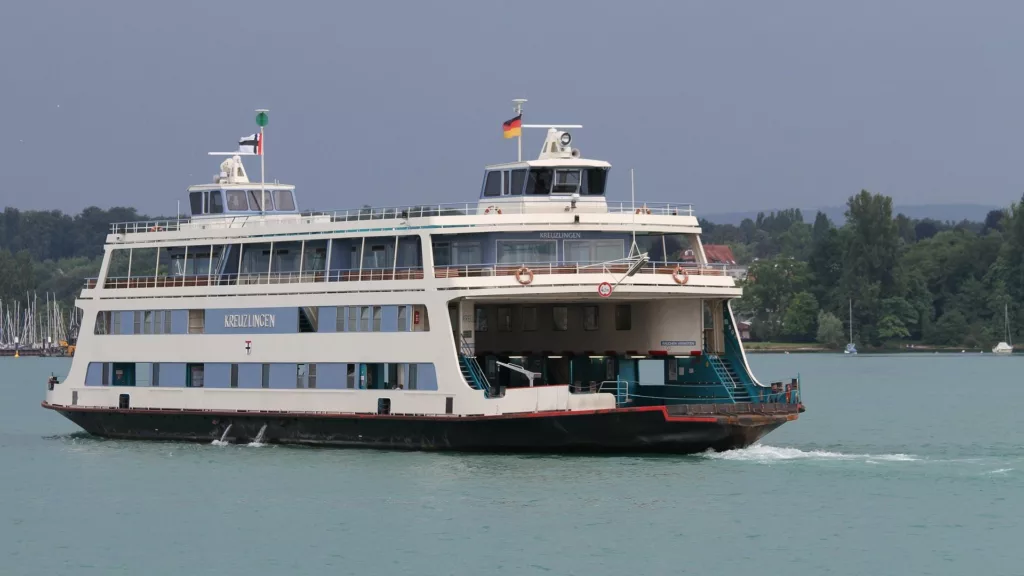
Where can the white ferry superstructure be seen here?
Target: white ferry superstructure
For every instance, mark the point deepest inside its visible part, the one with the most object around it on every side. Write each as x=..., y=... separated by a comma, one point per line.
x=541, y=317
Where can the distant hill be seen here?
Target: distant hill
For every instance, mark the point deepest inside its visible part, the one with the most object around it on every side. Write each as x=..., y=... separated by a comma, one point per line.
x=941, y=212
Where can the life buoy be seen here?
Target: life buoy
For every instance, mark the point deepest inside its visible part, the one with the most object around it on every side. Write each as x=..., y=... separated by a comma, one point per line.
x=492, y=208
x=680, y=276
x=524, y=275
x=643, y=210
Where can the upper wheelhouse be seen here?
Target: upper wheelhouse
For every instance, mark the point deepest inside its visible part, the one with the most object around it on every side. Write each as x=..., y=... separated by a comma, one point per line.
x=559, y=178
x=232, y=194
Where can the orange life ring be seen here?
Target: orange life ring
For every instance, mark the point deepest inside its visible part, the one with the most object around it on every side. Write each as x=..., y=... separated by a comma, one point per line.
x=643, y=210
x=495, y=208
x=524, y=272
x=680, y=276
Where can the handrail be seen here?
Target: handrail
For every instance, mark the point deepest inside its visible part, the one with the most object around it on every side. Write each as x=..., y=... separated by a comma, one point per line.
x=401, y=273
x=478, y=208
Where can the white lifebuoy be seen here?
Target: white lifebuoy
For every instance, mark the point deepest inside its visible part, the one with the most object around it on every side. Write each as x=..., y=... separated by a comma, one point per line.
x=680, y=276
x=524, y=275
x=494, y=208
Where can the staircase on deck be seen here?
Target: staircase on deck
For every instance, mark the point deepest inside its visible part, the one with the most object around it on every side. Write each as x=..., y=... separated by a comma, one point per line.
x=730, y=378
x=471, y=370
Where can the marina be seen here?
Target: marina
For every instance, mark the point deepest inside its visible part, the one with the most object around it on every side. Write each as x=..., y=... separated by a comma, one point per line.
x=541, y=317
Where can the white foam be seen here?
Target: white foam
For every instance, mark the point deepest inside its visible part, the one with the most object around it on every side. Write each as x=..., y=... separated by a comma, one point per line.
x=999, y=471
x=219, y=443
x=763, y=453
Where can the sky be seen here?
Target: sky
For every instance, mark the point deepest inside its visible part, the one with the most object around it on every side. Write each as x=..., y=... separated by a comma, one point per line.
x=740, y=105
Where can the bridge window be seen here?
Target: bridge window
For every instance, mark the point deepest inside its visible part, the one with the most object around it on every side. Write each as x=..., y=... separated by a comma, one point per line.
x=518, y=178
x=284, y=200
x=195, y=201
x=237, y=201
x=216, y=202
x=566, y=182
x=594, y=181
x=538, y=182
x=256, y=198
x=492, y=184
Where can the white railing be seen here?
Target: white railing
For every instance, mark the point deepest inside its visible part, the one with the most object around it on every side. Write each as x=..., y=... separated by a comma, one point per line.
x=400, y=213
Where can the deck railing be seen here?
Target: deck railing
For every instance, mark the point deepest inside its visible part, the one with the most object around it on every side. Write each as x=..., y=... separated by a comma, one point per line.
x=398, y=213
x=524, y=271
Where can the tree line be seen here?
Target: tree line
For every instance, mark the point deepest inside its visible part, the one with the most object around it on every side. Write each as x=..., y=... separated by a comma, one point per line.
x=908, y=280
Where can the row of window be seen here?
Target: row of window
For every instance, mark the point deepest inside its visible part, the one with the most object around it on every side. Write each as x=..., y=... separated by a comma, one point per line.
x=556, y=316
x=330, y=375
x=396, y=318
x=212, y=201
x=545, y=181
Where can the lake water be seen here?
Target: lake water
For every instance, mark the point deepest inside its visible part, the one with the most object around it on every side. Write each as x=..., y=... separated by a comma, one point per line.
x=909, y=464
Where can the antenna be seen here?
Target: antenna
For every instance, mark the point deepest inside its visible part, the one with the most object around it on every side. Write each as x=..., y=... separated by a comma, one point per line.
x=633, y=249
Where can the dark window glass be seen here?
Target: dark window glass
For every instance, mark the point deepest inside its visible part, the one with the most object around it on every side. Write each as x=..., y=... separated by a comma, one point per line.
x=216, y=202
x=442, y=254
x=256, y=199
x=566, y=182
x=195, y=200
x=539, y=181
x=492, y=184
x=593, y=181
x=518, y=180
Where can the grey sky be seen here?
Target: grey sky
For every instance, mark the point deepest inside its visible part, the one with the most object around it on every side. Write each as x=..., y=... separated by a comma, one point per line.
x=729, y=105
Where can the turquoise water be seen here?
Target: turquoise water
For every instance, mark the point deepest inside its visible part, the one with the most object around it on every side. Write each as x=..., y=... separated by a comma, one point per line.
x=902, y=465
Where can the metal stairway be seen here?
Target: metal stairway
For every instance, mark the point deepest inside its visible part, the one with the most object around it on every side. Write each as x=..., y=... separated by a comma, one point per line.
x=730, y=378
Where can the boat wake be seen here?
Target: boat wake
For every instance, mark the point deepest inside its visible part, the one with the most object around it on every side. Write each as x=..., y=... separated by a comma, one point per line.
x=764, y=454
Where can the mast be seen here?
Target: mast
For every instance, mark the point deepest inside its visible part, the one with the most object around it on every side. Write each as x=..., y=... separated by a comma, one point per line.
x=518, y=107
x=851, y=320
x=261, y=121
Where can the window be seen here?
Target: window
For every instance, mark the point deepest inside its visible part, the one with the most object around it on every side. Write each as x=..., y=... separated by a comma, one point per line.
x=234, y=375
x=518, y=181
x=265, y=376
x=538, y=182
x=492, y=184
x=195, y=375
x=147, y=322
x=156, y=374
x=364, y=319
x=504, y=319
x=284, y=200
x=403, y=319
x=566, y=182
x=526, y=251
x=464, y=253
x=480, y=323
x=167, y=321
x=196, y=321
x=339, y=321
x=560, y=317
x=593, y=181
x=353, y=317
x=256, y=199
x=590, y=318
x=115, y=323
x=102, y=323
x=350, y=376
x=376, y=318
x=529, y=318
x=412, y=376
x=137, y=324
x=590, y=251
x=195, y=201
x=442, y=254
x=623, y=317
x=216, y=203
x=312, y=375
x=237, y=201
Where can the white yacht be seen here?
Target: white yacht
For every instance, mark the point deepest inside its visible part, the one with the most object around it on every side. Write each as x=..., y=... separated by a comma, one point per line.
x=540, y=317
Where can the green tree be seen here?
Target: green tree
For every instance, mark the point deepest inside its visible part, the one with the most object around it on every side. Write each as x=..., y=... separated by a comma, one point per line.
x=801, y=319
x=830, y=330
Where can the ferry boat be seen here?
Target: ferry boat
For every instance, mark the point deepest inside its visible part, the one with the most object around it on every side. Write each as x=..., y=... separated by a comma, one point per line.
x=540, y=317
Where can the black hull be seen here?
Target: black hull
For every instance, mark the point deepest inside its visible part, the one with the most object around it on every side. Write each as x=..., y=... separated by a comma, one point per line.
x=655, y=429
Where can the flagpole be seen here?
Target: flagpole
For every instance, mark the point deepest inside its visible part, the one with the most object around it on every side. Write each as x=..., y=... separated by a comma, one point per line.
x=261, y=121
x=519, y=139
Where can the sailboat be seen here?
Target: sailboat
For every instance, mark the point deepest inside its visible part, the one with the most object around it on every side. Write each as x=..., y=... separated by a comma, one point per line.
x=850, y=347
x=1005, y=347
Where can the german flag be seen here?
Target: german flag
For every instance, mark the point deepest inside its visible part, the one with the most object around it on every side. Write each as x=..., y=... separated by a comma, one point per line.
x=513, y=127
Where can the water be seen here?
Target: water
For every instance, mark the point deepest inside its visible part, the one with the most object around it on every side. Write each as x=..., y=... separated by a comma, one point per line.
x=902, y=465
